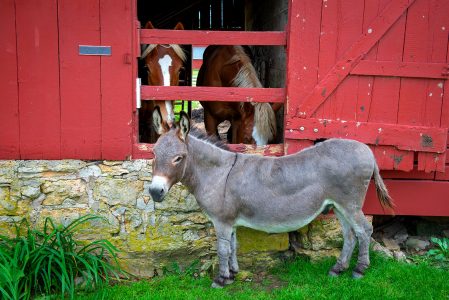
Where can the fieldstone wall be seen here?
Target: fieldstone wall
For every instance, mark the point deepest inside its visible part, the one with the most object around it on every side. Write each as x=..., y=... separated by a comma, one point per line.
x=150, y=235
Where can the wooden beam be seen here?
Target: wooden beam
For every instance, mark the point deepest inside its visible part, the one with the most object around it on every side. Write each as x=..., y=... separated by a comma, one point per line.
x=145, y=151
x=403, y=137
x=352, y=57
x=275, y=95
x=412, y=198
x=401, y=69
x=199, y=37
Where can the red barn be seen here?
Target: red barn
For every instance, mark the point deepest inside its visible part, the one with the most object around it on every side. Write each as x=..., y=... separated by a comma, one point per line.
x=373, y=70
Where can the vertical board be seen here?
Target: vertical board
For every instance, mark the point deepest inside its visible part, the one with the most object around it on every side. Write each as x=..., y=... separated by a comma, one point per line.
x=79, y=24
x=350, y=15
x=9, y=103
x=302, y=70
x=38, y=77
x=117, y=78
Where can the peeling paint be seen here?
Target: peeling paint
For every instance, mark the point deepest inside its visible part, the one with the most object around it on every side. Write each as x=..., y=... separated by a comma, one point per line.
x=426, y=140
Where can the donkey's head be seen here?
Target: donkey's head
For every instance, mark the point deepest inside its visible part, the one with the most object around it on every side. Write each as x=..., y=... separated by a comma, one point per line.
x=170, y=152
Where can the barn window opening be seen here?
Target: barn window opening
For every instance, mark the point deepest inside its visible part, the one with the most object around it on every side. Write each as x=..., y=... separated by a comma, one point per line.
x=217, y=15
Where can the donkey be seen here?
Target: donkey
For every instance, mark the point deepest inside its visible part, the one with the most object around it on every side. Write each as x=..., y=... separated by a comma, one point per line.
x=272, y=194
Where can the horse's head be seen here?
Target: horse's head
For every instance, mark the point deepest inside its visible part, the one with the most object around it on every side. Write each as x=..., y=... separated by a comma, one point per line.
x=170, y=153
x=164, y=64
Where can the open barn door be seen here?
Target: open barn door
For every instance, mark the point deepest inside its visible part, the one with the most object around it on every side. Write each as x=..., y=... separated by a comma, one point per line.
x=374, y=71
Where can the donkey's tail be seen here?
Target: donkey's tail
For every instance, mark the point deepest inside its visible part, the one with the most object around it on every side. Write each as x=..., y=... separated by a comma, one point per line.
x=381, y=189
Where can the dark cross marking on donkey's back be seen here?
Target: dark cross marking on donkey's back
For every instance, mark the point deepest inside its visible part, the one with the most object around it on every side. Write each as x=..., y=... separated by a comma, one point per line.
x=272, y=194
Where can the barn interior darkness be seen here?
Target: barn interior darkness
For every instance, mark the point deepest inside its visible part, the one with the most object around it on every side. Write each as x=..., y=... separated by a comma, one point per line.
x=229, y=15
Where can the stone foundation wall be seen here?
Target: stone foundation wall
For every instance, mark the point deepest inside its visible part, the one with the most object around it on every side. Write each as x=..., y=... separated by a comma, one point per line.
x=150, y=235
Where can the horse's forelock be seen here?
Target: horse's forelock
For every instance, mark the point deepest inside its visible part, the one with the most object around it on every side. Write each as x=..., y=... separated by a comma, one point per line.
x=148, y=48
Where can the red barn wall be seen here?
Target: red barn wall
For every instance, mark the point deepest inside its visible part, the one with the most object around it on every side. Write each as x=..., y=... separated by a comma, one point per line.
x=56, y=103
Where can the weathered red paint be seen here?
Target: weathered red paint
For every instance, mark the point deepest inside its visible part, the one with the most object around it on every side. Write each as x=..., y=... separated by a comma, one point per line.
x=275, y=95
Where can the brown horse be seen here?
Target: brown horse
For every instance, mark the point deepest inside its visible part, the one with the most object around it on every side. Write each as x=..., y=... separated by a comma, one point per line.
x=230, y=66
x=163, y=64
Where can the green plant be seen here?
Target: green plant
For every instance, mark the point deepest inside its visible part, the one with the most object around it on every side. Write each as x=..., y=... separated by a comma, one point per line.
x=53, y=261
x=441, y=253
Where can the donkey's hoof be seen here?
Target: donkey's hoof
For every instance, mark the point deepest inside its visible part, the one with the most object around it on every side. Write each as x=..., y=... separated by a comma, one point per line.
x=220, y=282
x=357, y=275
x=333, y=273
x=233, y=275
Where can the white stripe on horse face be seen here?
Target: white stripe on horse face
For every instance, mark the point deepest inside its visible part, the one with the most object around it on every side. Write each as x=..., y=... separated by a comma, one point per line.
x=165, y=63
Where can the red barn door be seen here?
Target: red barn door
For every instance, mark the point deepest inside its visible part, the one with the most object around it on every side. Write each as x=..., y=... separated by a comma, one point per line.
x=373, y=71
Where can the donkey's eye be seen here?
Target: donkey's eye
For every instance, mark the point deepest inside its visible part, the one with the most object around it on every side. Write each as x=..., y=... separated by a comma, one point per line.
x=177, y=159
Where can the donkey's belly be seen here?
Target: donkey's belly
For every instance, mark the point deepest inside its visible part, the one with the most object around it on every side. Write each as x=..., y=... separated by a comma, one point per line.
x=279, y=223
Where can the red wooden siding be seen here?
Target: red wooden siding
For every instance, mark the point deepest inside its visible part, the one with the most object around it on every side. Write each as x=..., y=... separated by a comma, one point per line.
x=38, y=78
x=55, y=103
x=405, y=40
x=9, y=102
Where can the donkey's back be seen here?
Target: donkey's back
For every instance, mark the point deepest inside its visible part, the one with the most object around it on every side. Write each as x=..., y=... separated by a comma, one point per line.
x=284, y=194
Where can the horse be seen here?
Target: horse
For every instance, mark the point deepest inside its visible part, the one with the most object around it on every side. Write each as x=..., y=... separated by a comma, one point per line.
x=163, y=64
x=230, y=66
x=272, y=194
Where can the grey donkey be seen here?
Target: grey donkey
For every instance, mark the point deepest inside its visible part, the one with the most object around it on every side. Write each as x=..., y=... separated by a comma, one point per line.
x=272, y=194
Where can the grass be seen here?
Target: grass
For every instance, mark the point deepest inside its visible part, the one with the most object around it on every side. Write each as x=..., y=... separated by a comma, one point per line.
x=52, y=261
x=298, y=279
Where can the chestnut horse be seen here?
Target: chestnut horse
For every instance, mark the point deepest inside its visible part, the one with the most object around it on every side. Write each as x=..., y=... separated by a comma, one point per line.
x=230, y=66
x=163, y=64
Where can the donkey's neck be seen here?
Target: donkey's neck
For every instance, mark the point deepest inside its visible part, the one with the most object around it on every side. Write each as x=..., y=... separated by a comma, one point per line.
x=206, y=162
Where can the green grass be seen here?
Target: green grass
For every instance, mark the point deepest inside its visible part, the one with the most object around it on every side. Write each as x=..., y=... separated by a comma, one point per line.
x=298, y=279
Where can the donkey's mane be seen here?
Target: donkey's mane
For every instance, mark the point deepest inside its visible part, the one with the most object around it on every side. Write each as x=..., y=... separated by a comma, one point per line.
x=146, y=49
x=213, y=140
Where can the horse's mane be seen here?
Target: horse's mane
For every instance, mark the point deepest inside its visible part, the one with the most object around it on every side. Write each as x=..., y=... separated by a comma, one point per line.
x=213, y=140
x=147, y=48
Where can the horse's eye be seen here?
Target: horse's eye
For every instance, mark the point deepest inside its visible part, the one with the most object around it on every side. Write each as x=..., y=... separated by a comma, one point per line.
x=177, y=159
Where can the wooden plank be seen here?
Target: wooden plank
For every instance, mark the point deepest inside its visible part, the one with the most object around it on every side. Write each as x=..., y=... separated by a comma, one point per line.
x=117, y=79
x=365, y=83
x=351, y=58
x=390, y=158
x=403, y=137
x=38, y=77
x=412, y=174
x=79, y=23
x=9, y=105
x=276, y=95
x=411, y=197
x=350, y=26
x=145, y=151
x=327, y=53
x=303, y=48
x=205, y=37
x=401, y=69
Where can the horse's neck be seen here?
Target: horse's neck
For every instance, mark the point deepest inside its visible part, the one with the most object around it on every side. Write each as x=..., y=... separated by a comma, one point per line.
x=206, y=161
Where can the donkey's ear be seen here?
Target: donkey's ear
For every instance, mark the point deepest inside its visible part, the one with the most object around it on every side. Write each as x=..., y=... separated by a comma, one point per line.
x=179, y=26
x=184, y=126
x=149, y=25
x=157, y=121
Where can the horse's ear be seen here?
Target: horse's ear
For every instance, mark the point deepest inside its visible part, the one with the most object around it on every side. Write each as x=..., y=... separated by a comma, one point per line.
x=149, y=25
x=157, y=121
x=184, y=126
x=179, y=26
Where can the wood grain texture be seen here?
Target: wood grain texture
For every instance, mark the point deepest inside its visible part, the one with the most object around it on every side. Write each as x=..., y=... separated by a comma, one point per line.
x=38, y=79
x=117, y=103
x=403, y=137
x=80, y=80
x=199, y=37
x=9, y=94
x=401, y=69
x=276, y=95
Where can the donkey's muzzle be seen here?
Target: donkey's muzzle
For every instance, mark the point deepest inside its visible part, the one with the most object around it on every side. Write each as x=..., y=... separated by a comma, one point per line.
x=157, y=194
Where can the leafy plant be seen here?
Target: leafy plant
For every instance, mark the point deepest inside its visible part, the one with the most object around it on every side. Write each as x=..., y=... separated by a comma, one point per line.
x=441, y=253
x=53, y=261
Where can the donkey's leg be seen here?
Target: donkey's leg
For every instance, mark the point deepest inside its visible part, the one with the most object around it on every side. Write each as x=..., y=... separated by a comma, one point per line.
x=224, y=235
x=348, y=246
x=363, y=260
x=233, y=264
x=363, y=230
